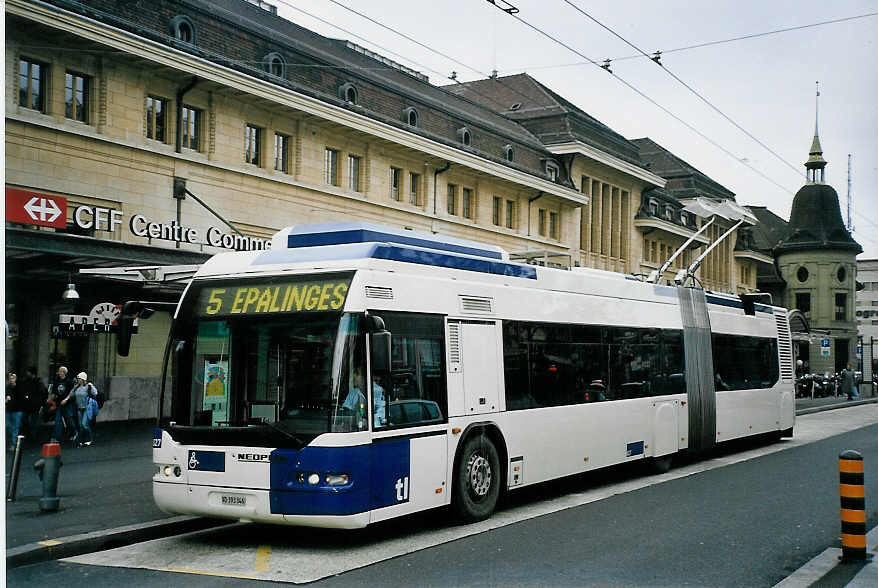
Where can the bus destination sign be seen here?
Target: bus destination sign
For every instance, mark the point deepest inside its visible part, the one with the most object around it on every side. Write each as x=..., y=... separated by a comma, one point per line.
x=276, y=297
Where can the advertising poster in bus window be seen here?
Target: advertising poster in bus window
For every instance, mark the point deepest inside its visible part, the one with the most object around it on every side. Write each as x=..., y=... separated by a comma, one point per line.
x=216, y=393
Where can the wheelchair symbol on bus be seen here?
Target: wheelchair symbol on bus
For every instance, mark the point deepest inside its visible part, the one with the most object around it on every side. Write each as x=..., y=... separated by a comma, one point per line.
x=193, y=461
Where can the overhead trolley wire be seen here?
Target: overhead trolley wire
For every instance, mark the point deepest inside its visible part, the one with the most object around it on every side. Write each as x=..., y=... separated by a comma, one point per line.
x=651, y=100
x=687, y=86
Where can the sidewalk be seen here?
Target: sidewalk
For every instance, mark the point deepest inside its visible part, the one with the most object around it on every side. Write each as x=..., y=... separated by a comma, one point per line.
x=106, y=494
x=102, y=488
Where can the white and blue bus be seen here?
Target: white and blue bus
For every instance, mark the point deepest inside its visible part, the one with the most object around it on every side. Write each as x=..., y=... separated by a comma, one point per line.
x=354, y=373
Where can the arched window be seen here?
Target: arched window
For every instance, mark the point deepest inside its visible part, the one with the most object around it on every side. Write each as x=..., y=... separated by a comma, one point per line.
x=464, y=136
x=182, y=28
x=411, y=117
x=348, y=92
x=508, y=153
x=275, y=65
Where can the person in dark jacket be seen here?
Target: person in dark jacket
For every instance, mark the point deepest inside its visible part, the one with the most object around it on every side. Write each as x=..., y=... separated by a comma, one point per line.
x=847, y=382
x=66, y=413
x=35, y=394
x=14, y=410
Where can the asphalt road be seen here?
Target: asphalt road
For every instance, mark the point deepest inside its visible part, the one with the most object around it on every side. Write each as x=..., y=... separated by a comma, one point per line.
x=751, y=523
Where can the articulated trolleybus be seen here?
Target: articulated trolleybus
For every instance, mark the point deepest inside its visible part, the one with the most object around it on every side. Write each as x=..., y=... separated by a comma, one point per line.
x=354, y=373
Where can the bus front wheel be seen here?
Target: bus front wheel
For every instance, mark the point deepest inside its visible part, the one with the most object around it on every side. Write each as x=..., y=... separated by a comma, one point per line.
x=477, y=480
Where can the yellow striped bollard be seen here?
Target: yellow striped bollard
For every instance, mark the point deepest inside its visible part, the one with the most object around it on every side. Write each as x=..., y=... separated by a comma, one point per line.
x=853, y=506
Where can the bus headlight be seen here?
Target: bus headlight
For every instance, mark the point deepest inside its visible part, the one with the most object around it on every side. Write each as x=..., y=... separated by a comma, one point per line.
x=337, y=479
x=314, y=479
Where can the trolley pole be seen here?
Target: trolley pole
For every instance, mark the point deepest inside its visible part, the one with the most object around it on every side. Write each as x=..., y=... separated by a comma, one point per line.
x=853, y=506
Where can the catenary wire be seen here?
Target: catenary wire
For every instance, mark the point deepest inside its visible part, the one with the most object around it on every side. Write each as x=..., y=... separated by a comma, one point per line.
x=685, y=85
x=652, y=101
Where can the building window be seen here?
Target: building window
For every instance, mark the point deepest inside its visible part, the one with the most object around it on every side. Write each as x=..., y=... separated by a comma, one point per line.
x=395, y=180
x=411, y=117
x=653, y=251
x=191, y=127
x=275, y=65
x=353, y=173
x=76, y=96
x=330, y=167
x=464, y=136
x=468, y=204
x=282, y=153
x=253, y=148
x=841, y=274
x=414, y=188
x=554, y=227
x=509, y=153
x=552, y=170
x=32, y=85
x=181, y=28
x=451, y=199
x=349, y=93
x=510, y=214
x=541, y=222
x=496, y=210
x=802, y=274
x=841, y=306
x=803, y=303
x=156, y=111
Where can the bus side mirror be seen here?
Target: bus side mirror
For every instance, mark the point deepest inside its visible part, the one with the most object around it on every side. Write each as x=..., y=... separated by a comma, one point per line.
x=380, y=351
x=126, y=326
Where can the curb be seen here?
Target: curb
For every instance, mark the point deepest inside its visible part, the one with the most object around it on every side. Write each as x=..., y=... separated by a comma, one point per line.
x=837, y=405
x=107, y=539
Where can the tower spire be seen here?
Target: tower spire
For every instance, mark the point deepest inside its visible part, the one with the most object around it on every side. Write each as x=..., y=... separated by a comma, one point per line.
x=815, y=162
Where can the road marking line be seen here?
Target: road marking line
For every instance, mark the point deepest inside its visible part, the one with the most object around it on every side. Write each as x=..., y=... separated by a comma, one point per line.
x=263, y=554
x=50, y=542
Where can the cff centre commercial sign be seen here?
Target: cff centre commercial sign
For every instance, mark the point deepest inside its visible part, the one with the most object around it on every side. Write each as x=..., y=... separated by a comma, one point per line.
x=47, y=210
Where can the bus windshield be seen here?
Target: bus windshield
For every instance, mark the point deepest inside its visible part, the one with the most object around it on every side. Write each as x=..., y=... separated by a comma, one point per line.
x=291, y=377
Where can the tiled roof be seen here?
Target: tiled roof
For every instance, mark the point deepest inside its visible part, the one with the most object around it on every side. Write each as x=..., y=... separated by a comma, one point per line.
x=684, y=179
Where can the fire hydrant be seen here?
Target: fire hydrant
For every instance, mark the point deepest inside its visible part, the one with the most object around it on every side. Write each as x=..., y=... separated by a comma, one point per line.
x=48, y=467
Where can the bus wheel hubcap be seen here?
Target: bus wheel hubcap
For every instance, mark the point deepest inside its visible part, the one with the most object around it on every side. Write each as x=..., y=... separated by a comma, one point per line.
x=479, y=475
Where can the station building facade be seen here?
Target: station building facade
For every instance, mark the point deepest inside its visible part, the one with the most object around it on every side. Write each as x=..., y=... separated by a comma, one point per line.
x=155, y=133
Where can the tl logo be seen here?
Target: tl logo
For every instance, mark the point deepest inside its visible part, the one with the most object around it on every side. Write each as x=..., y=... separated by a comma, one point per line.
x=402, y=489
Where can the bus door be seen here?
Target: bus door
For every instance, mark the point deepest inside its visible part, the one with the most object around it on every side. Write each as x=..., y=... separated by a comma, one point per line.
x=410, y=419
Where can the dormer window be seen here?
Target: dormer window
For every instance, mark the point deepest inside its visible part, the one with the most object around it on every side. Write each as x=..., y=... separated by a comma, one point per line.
x=552, y=170
x=684, y=219
x=275, y=65
x=515, y=106
x=182, y=28
x=653, y=207
x=508, y=153
x=411, y=116
x=348, y=92
x=669, y=212
x=464, y=136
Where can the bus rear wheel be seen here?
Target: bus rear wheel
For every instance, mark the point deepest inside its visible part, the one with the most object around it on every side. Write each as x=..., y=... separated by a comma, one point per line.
x=477, y=480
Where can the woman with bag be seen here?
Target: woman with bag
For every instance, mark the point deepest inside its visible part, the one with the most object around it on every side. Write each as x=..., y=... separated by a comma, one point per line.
x=83, y=392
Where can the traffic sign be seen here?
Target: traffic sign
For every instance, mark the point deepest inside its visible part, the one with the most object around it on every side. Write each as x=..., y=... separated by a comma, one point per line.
x=34, y=208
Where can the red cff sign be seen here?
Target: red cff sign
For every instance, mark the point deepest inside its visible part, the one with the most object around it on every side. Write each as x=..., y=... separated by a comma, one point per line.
x=33, y=208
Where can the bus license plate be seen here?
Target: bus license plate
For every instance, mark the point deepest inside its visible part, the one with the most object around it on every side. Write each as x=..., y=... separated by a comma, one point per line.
x=233, y=500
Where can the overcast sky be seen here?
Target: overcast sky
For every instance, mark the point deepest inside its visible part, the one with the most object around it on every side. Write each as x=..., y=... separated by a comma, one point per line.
x=765, y=84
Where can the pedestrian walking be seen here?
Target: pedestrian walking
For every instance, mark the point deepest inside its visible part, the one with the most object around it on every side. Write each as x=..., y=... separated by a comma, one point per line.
x=847, y=382
x=84, y=394
x=14, y=409
x=34, y=394
x=65, y=416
